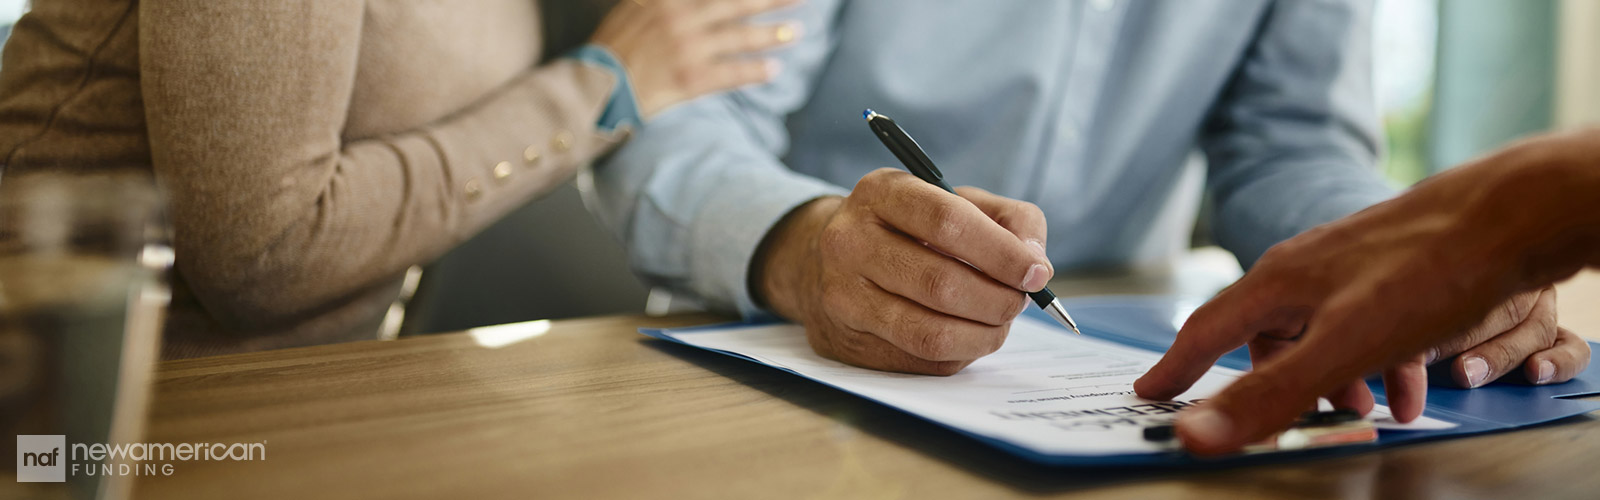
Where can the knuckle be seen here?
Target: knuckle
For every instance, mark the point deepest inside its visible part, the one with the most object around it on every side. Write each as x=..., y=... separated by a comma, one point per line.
x=1030, y=212
x=1277, y=252
x=1520, y=307
x=1511, y=310
x=996, y=338
x=848, y=345
x=834, y=299
x=889, y=322
x=939, y=288
x=821, y=342
x=946, y=223
x=1502, y=354
x=834, y=240
x=1001, y=308
x=875, y=181
x=936, y=343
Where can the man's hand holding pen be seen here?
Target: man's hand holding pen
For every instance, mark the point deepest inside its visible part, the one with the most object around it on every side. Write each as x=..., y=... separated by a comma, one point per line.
x=903, y=276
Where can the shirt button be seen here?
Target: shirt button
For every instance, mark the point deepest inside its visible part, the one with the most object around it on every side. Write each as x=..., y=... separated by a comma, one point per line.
x=473, y=190
x=1103, y=5
x=502, y=170
x=562, y=142
x=530, y=155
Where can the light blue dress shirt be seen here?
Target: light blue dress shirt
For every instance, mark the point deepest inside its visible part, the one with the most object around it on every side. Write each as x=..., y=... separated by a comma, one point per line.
x=1088, y=108
x=622, y=108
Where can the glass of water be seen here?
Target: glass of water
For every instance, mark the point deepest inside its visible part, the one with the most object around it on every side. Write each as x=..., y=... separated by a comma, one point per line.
x=83, y=290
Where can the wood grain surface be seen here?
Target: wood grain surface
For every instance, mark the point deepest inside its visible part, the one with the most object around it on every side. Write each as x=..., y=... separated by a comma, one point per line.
x=589, y=408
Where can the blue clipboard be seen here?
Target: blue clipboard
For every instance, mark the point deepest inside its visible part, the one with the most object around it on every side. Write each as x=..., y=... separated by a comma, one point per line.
x=1150, y=323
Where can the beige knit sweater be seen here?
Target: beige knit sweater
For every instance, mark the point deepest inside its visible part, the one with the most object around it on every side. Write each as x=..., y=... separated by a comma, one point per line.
x=312, y=150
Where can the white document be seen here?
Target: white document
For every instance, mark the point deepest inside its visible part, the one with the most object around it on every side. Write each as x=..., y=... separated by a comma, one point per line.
x=1046, y=390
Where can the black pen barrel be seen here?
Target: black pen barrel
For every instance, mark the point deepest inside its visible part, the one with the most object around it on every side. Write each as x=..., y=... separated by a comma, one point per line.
x=907, y=151
x=910, y=154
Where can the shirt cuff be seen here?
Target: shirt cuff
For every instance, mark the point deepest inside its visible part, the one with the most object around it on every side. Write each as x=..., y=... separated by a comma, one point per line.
x=622, y=110
x=734, y=221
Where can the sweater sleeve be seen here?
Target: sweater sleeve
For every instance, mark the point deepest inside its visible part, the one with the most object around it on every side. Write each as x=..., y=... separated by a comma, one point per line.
x=275, y=215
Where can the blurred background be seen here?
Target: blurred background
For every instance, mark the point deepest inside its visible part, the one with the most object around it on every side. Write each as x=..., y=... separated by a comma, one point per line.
x=1454, y=79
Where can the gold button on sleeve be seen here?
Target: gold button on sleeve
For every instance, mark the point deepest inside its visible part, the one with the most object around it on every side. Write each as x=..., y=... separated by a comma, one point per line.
x=562, y=142
x=530, y=155
x=473, y=189
x=502, y=170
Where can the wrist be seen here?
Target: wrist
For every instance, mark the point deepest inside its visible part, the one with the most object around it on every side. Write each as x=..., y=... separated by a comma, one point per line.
x=785, y=272
x=622, y=109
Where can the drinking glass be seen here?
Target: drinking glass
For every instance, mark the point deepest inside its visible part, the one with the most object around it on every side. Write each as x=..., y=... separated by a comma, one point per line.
x=83, y=290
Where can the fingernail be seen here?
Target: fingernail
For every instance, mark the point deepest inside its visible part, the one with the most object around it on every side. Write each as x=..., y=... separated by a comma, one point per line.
x=1208, y=424
x=1477, y=370
x=1036, y=278
x=774, y=67
x=1546, y=371
x=1433, y=355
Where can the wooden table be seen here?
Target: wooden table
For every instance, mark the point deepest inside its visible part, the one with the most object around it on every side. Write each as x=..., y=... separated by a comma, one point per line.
x=591, y=409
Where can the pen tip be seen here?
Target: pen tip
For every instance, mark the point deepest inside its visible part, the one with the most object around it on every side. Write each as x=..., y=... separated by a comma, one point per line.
x=1060, y=314
x=867, y=115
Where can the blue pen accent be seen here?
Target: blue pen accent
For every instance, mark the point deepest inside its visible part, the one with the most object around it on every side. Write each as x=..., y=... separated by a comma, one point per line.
x=867, y=115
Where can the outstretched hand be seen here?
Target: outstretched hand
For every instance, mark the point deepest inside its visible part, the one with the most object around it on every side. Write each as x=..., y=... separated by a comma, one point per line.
x=1426, y=275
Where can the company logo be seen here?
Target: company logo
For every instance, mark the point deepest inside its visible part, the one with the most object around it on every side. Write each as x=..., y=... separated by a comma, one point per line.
x=48, y=458
x=41, y=459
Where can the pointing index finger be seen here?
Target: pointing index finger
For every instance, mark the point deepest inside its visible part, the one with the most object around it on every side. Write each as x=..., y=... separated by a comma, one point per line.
x=1221, y=325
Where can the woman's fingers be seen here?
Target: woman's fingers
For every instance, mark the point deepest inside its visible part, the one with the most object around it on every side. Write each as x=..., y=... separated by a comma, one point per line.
x=743, y=39
x=713, y=12
x=676, y=50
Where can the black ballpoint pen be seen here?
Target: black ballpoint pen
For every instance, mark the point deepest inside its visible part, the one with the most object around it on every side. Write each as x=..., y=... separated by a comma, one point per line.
x=906, y=149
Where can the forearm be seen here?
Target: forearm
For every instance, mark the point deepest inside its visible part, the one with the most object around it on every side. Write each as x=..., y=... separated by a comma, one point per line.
x=1544, y=206
x=275, y=213
x=1532, y=212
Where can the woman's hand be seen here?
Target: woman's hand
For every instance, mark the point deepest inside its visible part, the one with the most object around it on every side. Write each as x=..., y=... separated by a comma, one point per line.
x=676, y=50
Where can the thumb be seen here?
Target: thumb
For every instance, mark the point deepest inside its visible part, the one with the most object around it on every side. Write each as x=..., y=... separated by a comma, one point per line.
x=1251, y=409
x=1268, y=399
